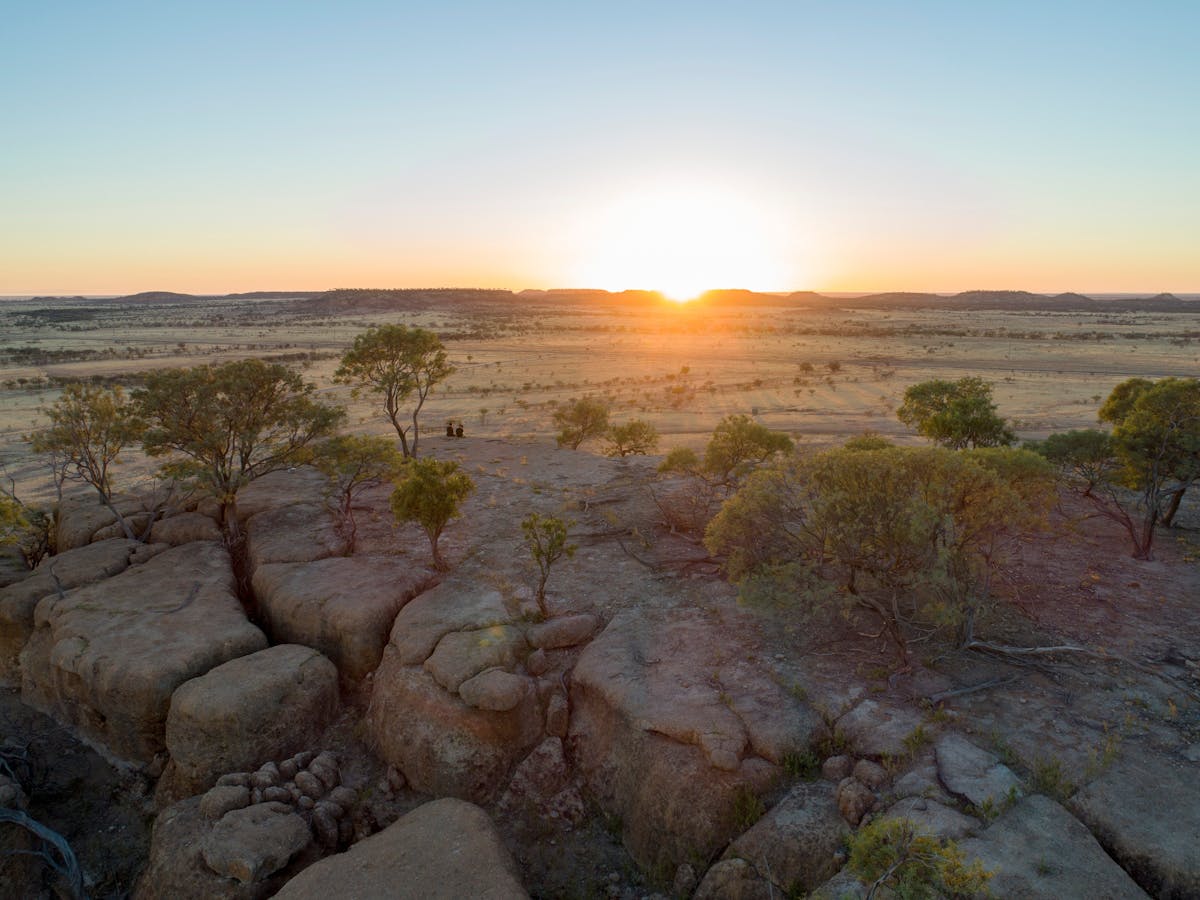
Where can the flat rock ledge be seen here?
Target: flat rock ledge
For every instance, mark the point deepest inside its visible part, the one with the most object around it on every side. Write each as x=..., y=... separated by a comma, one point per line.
x=259, y=707
x=444, y=850
x=105, y=658
x=452, y=707
x=671, y=728
x=342, y=606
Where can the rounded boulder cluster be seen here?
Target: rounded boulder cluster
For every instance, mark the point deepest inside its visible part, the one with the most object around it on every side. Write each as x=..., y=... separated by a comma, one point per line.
x=309, y=782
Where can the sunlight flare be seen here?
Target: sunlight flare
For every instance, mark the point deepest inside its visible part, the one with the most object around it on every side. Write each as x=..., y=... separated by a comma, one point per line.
x=682, y=240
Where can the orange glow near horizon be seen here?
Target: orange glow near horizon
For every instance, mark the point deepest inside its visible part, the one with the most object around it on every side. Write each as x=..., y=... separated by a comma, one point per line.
x=682, y=240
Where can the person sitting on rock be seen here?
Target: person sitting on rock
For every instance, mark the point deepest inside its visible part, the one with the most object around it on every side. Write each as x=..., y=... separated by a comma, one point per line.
x=458, y=431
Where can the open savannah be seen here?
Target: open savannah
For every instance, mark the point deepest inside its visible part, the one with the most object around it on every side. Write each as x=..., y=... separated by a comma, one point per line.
x=790, y=551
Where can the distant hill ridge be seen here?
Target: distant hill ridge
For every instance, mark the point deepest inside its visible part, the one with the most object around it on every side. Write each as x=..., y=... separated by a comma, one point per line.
x=353, y=300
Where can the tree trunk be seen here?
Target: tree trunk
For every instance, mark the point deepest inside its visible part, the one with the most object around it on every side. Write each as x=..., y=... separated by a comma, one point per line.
x=439, y=561
x=125, y=526
x=1172, y=507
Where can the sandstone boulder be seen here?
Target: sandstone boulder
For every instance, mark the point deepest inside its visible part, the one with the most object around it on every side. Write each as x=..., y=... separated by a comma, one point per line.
x=795, y=845
x=291, y=534
x=495, y=689
x=185, y=528
x=1145, y=811
x=879, y=729
x=275, y=490
x=74, y=568
x=854, y=800
x=438, y=612
x=443, y=745
x=260, y=707
x=1040, y=851
x=176, y=869
x=935, y=818
x=253, y=843
x=138, y=523
x=81, y=514
x=223, y=798
x=461, y=655
x=564, y=631
x=342, y=606
x=734, y=879
x=974, y=774
x=443, y=850
x=107, y=657
x=670, y=725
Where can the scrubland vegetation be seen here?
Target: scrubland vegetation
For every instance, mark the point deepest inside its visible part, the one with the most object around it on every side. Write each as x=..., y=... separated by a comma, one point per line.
x=838, y=479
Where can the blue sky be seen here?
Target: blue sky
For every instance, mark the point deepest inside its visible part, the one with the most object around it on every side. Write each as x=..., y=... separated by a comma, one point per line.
x=235, y=146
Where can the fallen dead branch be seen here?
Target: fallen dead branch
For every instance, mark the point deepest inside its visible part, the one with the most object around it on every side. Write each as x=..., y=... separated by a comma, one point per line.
x=1024, y=653
x=55, y=852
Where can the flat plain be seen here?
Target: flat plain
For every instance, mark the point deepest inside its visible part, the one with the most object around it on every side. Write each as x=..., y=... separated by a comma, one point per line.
x=819, y=374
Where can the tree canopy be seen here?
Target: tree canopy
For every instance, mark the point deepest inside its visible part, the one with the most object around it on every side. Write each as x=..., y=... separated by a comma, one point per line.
x=911, y=536
x=636, y=436
x=580, y=420
x=354, y=463
x=955, y=414
x=431, y=492
x=1138, y=474
x=546, y=537
x=398, y=363
x=231, y=423
x=89, y=428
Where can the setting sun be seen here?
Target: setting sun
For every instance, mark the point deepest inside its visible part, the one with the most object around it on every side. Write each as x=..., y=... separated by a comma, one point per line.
x=682, y=240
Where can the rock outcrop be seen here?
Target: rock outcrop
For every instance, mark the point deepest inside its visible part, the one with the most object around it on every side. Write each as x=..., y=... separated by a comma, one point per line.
x=74, y=568
x=450, y=734
x=283, y=487
x=251, y=844
x=1038, y=850
x=81, y=515
x=795, y=845
x=443, y=850
x=106, y=658
x=263, y=706
x=250, y=833
x=1145, y=811
x=185, y=528
x=973, y=774
x=299, y=533
x=878, y=729
x=342, y=606
x=671, y=725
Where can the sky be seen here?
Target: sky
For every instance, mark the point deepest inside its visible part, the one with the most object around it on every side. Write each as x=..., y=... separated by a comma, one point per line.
x=907, y=145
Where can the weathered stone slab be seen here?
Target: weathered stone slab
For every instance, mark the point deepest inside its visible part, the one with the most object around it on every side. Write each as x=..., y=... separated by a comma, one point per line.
x=443, y=745
x=1145, y=811
x=260, y=707
x=444, y=850
x=253, y=843
x=877, y=729
x=669, y=727
x=185, y=528
x=437, y=612
x=795, y=844
x=292, y=534
x=972, y=773
x=74, y=568
x=107, y=657
x=342, y=606
x=285, y=487
x=1038, y=850
x=461, y=655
